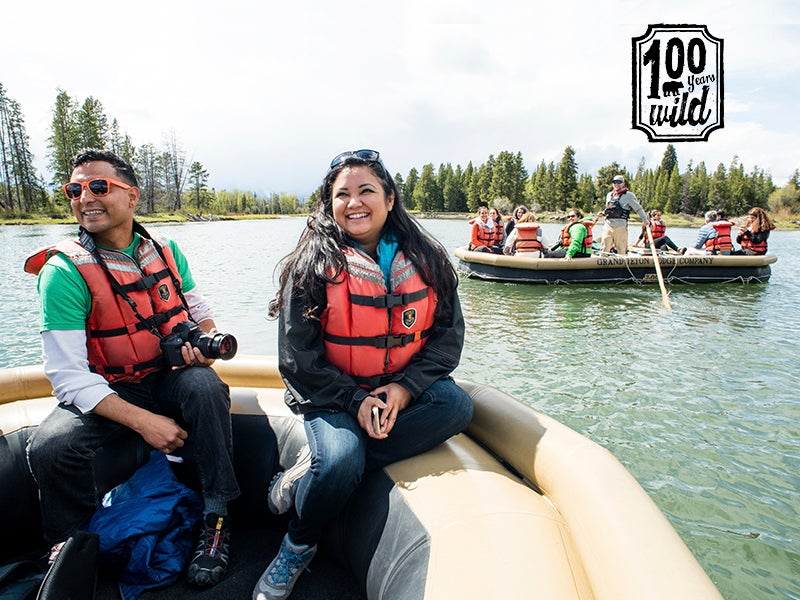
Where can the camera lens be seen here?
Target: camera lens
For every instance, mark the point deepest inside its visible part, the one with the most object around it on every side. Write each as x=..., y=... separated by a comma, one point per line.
x=219, y=345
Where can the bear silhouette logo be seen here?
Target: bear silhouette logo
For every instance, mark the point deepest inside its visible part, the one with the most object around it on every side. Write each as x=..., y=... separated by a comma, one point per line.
x=671, y=88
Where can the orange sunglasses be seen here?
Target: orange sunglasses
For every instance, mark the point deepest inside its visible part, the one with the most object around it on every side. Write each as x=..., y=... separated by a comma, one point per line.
x=97, y=187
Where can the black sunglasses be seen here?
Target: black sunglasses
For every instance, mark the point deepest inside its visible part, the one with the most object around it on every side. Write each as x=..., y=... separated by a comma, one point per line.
x=617, y=181
x=364, y=154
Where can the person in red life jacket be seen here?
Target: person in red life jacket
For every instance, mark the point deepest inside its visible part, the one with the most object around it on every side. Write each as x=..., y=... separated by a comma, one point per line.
x=619, y=203
x=108, y=299
x=575, y=240
x=723, y=243
x=368, y=319
x=483, y=236
x=714, y=237
x=525, y=238
x=499, y=230
x=755, y=232
x=659, y=231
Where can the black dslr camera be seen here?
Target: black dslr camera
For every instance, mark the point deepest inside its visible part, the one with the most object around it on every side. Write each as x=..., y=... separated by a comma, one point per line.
x=211, y=345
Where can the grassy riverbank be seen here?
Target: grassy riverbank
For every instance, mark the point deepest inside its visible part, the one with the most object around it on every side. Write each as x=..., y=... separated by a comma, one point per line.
x=785, y=222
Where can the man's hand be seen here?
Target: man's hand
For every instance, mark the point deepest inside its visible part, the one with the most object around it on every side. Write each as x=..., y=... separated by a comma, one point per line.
x=161, y=432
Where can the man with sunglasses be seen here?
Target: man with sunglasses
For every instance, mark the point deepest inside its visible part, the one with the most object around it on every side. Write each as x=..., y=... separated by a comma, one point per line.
x=107, y=299
x=619, y=203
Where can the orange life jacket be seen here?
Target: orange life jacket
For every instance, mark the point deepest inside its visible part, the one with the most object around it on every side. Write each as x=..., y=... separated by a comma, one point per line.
x=120, y=345
x=369, y=331
x=756, y=247
x=658, y=228
x=481, y=235
x=527, y=238
x=722, y=242
x=566, y=238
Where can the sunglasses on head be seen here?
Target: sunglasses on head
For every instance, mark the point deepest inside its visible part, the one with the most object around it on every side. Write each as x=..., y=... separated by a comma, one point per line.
x=364, y=154
x=97, y=187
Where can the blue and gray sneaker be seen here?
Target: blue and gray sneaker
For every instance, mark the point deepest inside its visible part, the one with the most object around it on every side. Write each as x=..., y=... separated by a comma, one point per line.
x=277, y=582
x=283, y=486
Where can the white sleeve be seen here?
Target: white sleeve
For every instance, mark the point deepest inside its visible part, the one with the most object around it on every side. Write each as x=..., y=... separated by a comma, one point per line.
x=66, y=365
x=199, y=307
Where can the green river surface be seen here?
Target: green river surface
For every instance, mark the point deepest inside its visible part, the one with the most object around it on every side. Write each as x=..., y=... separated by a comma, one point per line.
x=699, y=402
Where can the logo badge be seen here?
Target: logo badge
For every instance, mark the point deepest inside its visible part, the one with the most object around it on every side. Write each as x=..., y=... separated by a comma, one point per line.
x=677, y=83
x=163, y=292
x=409, y=317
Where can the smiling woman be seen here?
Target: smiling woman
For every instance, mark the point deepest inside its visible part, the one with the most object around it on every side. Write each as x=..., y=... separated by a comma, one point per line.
x=369, y=322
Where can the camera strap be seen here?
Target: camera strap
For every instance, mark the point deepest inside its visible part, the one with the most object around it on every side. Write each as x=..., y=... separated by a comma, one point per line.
x=87, y=241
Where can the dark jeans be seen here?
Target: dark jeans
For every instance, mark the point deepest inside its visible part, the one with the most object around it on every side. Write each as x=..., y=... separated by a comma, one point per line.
x=342, y=452
x=60, y=451
x=664, y=240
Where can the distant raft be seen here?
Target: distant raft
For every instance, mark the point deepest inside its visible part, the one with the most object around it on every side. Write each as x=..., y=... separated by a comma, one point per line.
x=633, y=268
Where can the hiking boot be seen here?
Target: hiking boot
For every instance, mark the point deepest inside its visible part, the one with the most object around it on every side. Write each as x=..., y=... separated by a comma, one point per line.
x=278, y=580
x=210, y=560
x=283, y=486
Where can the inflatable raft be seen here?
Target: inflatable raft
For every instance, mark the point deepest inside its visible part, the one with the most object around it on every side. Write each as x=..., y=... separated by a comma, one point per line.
x=518, y=506
x=632, y=268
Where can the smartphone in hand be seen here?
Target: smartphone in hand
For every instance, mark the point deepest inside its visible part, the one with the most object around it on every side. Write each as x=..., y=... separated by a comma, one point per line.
x=376, y=419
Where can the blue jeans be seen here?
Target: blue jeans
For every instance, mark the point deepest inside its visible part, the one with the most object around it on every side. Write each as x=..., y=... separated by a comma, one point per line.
x=341, y=452
x=61, y=449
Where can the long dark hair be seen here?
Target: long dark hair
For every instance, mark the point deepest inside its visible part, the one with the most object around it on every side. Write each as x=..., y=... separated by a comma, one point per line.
x=318, y=258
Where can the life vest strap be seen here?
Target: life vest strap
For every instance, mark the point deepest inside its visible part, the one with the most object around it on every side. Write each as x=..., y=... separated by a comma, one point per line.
x=128, y=369
x=378, y=341
x=146, y=282
x=389, y=300
x=150, y=323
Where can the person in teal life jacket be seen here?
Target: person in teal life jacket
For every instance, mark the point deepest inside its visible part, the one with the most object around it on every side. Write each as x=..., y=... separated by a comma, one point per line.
x=369, y=330
x=754, y=233
x=108, y=300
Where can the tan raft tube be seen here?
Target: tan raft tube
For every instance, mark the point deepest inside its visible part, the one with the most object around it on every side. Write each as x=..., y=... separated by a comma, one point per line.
x=592, y=532
x=519, y=261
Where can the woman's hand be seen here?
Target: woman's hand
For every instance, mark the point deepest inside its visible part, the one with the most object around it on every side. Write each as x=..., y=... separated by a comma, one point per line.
x=397, y=399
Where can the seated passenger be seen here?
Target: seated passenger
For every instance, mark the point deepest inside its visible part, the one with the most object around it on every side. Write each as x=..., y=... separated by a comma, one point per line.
x=753, y=235
x=714, y=237
x=518, y=212
x=483, y=234
x=659, y=229
x=525, y=238
x=576, y=238
x=499, y=229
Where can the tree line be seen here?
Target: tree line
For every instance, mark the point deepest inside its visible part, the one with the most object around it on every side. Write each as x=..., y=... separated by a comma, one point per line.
x=504, y=182
x=169, y=182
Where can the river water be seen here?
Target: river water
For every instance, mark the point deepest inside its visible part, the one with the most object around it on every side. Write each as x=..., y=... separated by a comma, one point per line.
x=699, y=403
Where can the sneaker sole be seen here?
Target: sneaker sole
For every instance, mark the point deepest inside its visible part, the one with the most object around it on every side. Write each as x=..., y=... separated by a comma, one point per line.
x=281, y=493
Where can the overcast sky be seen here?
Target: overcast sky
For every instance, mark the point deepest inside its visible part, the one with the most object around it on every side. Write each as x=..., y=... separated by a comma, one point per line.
x=264, y=94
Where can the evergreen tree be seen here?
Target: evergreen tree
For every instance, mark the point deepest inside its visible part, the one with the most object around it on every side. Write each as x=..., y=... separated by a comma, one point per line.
x=566, y=183
x=64, y=140
x=426, y=192
x=198, y=178
x=718, y=189
x=670, y=159
x=92, y=124
x=408, y=189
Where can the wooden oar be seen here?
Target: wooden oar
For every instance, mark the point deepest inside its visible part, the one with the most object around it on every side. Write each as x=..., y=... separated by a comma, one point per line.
x=664, y=295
